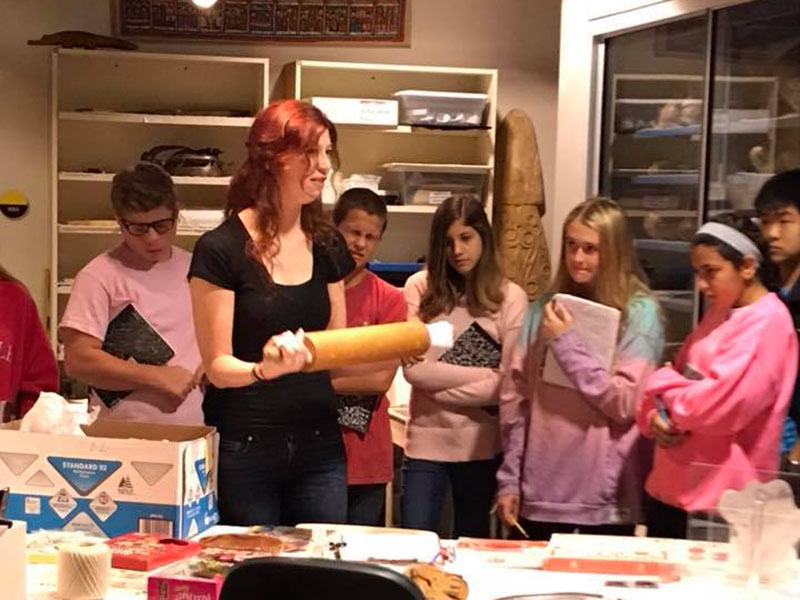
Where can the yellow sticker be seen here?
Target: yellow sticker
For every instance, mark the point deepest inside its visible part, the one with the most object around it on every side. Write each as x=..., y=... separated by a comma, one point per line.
x=14, y=204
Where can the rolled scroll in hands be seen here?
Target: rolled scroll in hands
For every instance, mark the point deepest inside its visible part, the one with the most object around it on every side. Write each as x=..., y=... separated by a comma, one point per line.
x=334, y=348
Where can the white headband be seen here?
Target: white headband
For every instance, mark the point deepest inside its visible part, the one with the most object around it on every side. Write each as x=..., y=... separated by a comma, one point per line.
x=734, y=238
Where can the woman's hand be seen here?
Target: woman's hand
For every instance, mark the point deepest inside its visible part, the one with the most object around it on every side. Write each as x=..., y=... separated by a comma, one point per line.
x=664, y=433
x=294, y=355
x=556, y=320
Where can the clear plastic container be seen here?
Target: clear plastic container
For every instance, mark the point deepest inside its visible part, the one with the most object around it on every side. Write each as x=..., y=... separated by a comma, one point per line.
x=422, y=184
x=446, y=110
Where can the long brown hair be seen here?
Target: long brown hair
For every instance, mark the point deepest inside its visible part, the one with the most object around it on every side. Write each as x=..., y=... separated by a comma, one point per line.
x=482, y=289
x=282, y=129
x=6, y=276
x=619, y=275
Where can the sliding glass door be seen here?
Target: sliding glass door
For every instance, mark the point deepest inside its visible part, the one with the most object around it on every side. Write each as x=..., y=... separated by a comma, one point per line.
x=696, y=115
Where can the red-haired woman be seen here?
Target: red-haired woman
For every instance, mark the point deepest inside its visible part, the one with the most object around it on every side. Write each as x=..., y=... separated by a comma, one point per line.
x=270, y=271
x=27, y=364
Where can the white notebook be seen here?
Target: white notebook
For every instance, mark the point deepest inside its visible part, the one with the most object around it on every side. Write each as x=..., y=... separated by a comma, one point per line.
x=598, y=326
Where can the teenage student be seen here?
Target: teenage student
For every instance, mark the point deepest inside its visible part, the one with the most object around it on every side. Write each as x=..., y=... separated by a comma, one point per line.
x=27, y=364
x=452, y=436
x=361, y=217
x=573, y=457
x=138, y=288
x=778, y=208
x=717, y=413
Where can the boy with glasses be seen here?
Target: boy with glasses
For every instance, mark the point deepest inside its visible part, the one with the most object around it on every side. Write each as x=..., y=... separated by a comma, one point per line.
x=128, y=329
x=778, y=208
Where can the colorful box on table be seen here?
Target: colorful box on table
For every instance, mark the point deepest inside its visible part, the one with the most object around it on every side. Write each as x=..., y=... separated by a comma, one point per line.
x=121, y=477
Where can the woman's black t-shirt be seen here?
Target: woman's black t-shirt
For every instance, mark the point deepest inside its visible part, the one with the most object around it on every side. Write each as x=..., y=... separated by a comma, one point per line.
x=261, y=310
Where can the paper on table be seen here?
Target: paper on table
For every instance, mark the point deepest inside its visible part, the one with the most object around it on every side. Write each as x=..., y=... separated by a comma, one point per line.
x=414, y=546
x=380, y=544
x=598, y=326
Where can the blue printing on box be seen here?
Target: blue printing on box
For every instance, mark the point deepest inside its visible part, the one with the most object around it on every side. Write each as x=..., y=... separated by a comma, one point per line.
x=204, y=512
x=123, y=520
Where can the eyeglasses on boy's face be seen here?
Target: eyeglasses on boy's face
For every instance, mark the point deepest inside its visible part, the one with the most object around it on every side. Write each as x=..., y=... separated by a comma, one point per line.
x=161, y=226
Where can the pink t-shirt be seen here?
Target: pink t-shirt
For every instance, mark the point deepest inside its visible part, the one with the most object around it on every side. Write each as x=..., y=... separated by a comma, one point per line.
x=161, y=295
x=369, y=455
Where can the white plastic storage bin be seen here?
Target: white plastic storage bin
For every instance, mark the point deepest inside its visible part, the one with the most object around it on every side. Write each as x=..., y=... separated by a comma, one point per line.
x=357, y=111
x=442, y=109
x=424, y=184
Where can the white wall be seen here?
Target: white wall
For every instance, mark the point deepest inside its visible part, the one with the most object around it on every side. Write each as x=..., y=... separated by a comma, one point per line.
x=518, y=37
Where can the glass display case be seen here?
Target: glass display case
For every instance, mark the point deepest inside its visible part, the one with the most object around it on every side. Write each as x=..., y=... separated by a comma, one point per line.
x=696, y=114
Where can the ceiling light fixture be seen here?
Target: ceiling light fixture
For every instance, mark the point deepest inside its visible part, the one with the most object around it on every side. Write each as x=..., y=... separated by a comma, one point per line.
x=204, y=3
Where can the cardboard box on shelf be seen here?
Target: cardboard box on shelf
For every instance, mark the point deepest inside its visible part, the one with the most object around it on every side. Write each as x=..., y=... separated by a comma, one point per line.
x=121, y=477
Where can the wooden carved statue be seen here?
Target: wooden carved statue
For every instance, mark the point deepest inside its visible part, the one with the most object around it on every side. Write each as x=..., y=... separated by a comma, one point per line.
x=519, y=205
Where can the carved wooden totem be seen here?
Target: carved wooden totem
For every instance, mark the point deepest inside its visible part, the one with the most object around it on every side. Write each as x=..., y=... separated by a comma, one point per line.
x=519, y=205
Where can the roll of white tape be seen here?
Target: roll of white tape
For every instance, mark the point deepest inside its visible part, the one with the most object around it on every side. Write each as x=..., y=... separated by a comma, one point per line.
x=83, y=571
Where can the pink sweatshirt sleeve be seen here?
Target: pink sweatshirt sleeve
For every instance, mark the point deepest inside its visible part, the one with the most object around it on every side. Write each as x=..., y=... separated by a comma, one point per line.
x=648, y=406
x=617, y=392
x=484, y=392
x=514, y=408
x=738, y=384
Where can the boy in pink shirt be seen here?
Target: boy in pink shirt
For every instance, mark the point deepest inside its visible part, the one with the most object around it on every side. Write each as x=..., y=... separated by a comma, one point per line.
x=723, y=403
x=128, y=329
x=360, y=215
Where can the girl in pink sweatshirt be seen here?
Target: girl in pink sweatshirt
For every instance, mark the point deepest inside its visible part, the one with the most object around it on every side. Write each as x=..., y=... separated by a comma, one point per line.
x=452, y=437
x=573, y=457
x=717, y=414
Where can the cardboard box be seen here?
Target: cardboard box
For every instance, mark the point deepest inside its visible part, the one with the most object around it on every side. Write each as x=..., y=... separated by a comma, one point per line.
x=12, y=561
x=177, y=583
x=121, y=477
x=357, y=111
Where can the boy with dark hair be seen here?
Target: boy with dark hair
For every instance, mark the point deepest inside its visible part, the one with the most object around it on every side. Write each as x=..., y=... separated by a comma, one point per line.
x=128, y=329
x=361, y=217
x=778, y=208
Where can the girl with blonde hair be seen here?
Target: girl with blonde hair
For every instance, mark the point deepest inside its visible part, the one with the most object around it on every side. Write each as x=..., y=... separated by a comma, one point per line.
x=573, y=457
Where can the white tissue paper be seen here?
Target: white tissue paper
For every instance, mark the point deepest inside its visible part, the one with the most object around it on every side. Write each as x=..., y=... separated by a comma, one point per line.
x=52, y=414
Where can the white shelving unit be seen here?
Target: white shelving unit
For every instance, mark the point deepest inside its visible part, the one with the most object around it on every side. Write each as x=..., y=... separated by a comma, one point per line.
x=108, y=107
x=365, y=149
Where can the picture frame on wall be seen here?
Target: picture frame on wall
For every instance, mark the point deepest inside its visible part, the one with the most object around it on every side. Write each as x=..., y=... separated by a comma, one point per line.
x=358, y=21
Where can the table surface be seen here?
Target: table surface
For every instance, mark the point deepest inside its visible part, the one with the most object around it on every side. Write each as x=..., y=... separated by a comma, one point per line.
x=486, y=582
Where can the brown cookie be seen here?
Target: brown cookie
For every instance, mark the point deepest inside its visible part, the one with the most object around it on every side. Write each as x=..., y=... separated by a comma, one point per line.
x=436, y=584
x=259, y=542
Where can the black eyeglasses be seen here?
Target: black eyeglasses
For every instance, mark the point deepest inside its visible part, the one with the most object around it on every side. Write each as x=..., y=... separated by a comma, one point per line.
x=161, y=226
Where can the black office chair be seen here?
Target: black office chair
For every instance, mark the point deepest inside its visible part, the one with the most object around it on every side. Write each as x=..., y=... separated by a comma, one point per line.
x=315, y=579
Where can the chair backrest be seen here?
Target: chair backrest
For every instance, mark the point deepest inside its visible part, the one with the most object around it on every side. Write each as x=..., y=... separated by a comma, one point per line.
x=282, y=578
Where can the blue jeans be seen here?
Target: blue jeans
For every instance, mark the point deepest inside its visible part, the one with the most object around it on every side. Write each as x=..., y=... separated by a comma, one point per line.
x=473, y=484
x=283, y=476
x=366, y=503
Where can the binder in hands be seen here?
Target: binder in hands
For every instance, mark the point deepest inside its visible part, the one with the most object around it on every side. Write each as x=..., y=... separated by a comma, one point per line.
x=596, y=324
x=130, y=337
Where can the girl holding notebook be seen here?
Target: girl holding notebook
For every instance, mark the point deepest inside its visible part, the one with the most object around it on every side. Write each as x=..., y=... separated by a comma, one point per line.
x=452, y=436
x=573, y=457
x=718, y=413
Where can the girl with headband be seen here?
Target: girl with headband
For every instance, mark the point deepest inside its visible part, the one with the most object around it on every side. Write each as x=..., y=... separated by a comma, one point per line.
x=717, y=413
